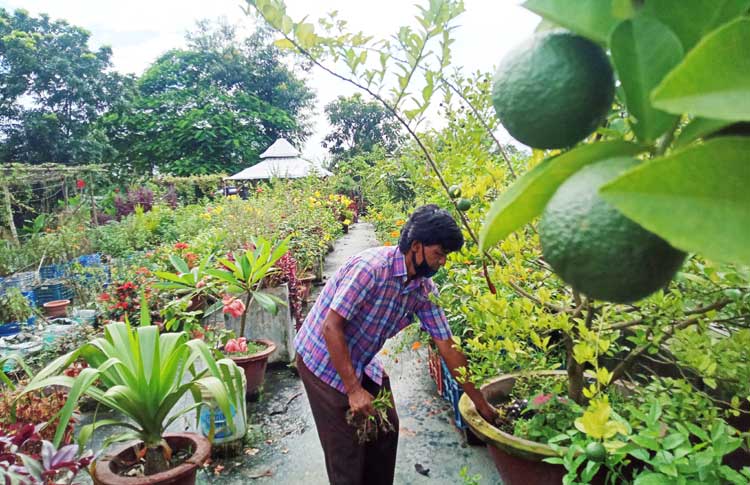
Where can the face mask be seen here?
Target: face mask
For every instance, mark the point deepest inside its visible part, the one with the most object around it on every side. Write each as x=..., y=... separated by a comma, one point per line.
x=423, y=269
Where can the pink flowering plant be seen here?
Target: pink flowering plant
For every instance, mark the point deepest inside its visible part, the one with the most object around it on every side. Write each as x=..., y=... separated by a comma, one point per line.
x=545, y=416
x=243, y=276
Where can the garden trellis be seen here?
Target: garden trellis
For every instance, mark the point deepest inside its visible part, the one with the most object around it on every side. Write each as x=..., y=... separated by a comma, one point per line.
x=44, y=178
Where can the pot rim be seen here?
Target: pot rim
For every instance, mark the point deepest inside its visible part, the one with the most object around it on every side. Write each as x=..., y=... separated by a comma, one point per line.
x=102, y=472
x=496, y=437
x=56, y=303
x=265, y=353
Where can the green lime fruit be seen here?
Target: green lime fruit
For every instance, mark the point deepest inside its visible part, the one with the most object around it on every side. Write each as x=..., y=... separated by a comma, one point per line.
x=454, y=191
x=595, y=451
x=463, y=204
x=553, y=90
x=596, y=249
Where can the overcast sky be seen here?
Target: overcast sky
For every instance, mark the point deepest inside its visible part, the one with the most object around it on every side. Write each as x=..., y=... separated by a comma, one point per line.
x=140, y=30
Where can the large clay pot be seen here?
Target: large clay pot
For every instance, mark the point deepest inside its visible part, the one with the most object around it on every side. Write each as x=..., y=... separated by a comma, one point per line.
x=518, y=461
x=255, y=366
x=57, y=308
x=105, y=471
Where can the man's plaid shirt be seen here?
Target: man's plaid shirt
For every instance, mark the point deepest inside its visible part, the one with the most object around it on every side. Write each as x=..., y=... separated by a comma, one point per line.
x=371, y=293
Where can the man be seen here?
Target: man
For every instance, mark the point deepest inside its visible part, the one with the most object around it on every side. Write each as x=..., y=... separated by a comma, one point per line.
x=371, y=298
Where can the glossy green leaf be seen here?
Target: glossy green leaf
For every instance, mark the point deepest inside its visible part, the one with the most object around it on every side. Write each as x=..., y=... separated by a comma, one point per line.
x=714, y=78
x=527, y=197
x=697, y=198
x=644, y=50
x=692, y=19
x=179, y=264
x=590, y=18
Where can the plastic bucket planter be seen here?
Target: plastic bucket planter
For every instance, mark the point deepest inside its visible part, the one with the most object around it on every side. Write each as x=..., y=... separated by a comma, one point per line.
x=86, y=317
x=222, y=432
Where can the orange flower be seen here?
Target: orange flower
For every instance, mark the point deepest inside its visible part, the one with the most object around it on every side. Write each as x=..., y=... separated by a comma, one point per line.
x=394, y=233
x=399, y=223
x=416, y=345
x=387, y=243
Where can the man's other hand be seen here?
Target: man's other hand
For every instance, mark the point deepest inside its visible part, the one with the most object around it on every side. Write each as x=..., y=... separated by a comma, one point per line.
x=360, y=402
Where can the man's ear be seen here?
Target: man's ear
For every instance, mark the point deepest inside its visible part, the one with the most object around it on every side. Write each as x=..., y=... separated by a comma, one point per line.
x=416, y=246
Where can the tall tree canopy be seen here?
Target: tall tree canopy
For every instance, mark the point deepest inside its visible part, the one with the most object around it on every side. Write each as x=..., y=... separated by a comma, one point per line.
x=52, y=90
x=213, y=107
x=359, y=126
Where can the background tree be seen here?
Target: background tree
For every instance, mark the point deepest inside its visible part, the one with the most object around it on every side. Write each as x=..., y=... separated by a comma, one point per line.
x=359, y=126
x=52, y=90
x=213, y=107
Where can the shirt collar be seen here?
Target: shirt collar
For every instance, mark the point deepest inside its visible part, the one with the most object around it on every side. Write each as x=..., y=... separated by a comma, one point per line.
x=398, y=269
x=399, y=264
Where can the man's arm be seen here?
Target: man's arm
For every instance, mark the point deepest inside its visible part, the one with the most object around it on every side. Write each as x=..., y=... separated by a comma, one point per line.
x=360, y=401
x=455, y=359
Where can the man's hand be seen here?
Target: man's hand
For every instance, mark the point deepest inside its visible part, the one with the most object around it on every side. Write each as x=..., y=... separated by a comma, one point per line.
x=360, y=402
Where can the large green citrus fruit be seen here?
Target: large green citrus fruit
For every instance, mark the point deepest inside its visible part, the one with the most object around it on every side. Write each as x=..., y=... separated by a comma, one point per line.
x=553, y=90
x=596, y=249
x=463, y=204
x=595, y=451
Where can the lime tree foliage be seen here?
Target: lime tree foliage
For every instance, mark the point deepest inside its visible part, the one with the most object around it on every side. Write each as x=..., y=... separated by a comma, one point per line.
x=640, y=255
x=212, y=107
x=359, y=126
x=53, y=88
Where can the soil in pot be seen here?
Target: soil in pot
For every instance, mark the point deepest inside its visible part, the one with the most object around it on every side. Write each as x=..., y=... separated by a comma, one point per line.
x=122, y=467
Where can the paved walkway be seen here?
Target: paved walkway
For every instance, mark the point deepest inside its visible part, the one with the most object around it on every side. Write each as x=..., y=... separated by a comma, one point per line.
x=284, y=445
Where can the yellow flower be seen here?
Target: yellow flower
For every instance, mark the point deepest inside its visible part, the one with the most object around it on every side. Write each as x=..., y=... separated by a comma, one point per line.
x=317, y=193
x=394, y=233
x=399, y=223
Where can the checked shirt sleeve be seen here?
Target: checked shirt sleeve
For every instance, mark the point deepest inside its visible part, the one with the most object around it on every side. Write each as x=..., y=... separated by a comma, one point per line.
x=433, y=319
x=352, y=289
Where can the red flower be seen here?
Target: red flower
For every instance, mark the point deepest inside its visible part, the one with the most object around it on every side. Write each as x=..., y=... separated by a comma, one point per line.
x=541, y=399
x=180, y=246
x=104, y=297
x=80, y=184
x=233, y=306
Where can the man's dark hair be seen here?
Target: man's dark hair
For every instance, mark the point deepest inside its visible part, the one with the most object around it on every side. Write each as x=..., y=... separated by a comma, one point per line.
x=429, y=224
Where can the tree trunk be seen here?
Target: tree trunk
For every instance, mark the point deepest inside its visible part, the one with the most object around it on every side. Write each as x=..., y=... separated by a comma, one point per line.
x=156, y=460
x=575, y=374
x=9, y=210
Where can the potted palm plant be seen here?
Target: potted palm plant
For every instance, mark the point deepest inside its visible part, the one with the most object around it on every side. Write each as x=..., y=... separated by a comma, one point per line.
x=142, y=374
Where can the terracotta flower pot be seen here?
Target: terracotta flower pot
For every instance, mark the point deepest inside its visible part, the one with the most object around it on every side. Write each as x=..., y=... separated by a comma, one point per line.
x=255, y=366
x=518, y=461
x=106, y=468
x=57, y=308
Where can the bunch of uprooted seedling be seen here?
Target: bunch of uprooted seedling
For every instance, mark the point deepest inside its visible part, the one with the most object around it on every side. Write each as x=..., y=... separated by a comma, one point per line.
x=368, y=427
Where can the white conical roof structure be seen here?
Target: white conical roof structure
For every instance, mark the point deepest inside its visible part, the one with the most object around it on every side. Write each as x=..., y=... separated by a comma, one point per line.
x=281, y=160
x=280, y=149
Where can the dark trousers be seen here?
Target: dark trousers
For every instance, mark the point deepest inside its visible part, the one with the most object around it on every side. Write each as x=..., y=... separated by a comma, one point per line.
x=347, y=462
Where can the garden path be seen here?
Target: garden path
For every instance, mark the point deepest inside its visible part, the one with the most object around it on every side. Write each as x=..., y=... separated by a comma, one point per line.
x=284, y=445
